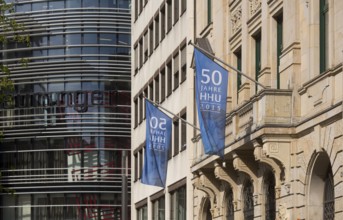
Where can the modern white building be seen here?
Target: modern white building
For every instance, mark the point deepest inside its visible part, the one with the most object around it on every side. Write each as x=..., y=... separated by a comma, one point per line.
x=284, y=143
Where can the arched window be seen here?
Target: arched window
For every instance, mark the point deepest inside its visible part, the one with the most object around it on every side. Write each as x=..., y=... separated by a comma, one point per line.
x=269, y=189
x=229, y=205
x=248, y=198
x=207, y=210
x=329, y=199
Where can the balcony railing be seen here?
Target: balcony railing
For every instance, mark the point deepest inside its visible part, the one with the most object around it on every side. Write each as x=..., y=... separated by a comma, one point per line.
x=267, y=108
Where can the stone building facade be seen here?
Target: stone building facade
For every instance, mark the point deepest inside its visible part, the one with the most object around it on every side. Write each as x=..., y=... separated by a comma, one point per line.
x=283, y=147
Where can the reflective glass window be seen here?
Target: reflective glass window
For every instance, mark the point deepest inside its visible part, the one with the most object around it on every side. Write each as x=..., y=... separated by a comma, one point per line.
x=90, y=38
x=90, y=3
x=73, y=3
x=73, y=39
x=90, y=50
x=38, y=6
x=56, y=40
x=107, y=38
x=124, y=39
x=23, y=7
x=107, y=3
x=56, y=4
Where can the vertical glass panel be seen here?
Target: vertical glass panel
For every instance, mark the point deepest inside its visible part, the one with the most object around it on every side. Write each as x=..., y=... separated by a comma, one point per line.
x=107, y=38
x=24, y=207
x=38, y=6
x=107, y=3
x=124, y=39
x=73, y=39
x=41, y=210
x=90, y=3
x=90, y=50
x=122, y=4
x=56, y=210
x=56, y=4
x=8, y=213
x=56, y=40
x=23, y=7
x=90, y=38
x=73, y=3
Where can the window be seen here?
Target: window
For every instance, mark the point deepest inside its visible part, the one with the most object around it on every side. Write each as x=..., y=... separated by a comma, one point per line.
x=146, y=46
x=141, y=103
x=158, y=209
x=140, y=168
x=146, y=94
x=257, y=56
x=169, y=15
x=324, y=32
x=151, y=91
x=169, y=78
x=140, y=52
x=136, y=112
x=176, y=70
x=229, y=205
x=163, y=84
x=209, y=12
x=176, y=11
x=136, y=166
x=239, y=67
x=142, y=213
x=163, y=22
x=178, y=204
x=157, y=30
x=329, y=198
x=279, y=40
x=140, y=6
x=183, y=6
x=248, y=199
x=151, y=38
x=183, y=64
x=183, y=131
x=176, y=136
x=157, y=92
x=136, y=58
x=136, y=9
x=269, y=188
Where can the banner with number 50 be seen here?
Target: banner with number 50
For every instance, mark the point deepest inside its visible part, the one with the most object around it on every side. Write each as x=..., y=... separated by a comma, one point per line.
x=211, y=91
x=158, y=141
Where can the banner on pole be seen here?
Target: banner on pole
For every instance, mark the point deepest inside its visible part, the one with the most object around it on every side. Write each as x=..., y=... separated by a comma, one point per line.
x=158, y=141
x=211, y=91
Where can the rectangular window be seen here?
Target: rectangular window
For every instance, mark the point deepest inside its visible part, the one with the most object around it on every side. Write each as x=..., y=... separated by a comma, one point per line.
x=183, y=64
x=183, y=132
x=323, y=35
x=158, y=209
x=142, y=213
x=136, y=112
x=136, y=58
x=209, y=12
x=157, y=89
x=140, y=6
x=146, y=94
x=176, y=11
x=169, y=15
x=176, y=136
x=151, y=91
x=157, y=30
x=141, y=104
x=183, y=6
x=178, y=204
x=146, y=46
x=176, y=71
x=279, y=40
x=140, y=158
x=140, y=52
x=163, y=22
x=239, y=67
x=151, y=38
x=169, y=78
x=257, y=56
x=163, y=85
x=136, y=167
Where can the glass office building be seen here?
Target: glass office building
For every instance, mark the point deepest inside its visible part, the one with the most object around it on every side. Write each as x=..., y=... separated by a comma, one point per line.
x=66, y=142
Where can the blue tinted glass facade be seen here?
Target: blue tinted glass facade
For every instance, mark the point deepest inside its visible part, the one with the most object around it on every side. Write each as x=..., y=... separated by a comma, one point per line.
x=66, y=145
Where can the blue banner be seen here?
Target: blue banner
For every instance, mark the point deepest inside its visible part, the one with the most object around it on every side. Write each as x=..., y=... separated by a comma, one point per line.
x=211, y=91
x=158, y=141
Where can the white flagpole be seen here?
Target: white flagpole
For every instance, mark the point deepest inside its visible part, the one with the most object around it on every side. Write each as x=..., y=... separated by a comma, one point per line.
x=228, y=65
x=164, y=109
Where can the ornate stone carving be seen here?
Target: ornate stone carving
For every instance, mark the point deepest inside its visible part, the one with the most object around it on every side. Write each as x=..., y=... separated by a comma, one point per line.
x=255, y=5
x=282, y=213
x=236, y=19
